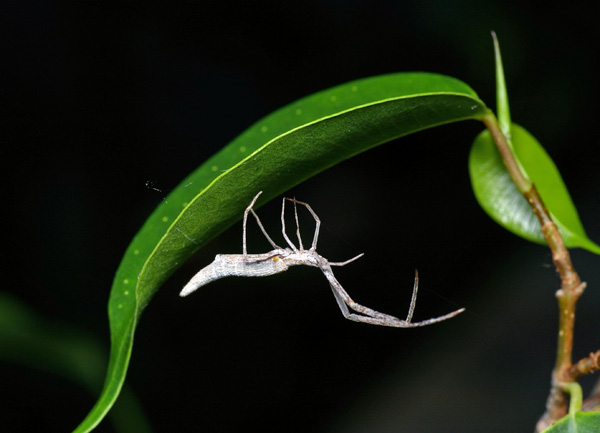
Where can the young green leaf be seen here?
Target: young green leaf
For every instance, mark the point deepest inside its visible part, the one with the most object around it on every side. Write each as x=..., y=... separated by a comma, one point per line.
x=502, y=106
x=278, y=152
x=501, y=200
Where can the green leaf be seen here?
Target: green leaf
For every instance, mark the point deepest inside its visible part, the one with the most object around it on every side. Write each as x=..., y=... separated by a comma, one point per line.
x=580, y=422
x=278, y=152
x=502, y=106
x=499, y=197
x=32, y=341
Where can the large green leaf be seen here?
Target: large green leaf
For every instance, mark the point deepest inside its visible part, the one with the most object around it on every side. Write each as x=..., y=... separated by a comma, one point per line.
x=499, y=197
x=580, y=422
x=278, y=152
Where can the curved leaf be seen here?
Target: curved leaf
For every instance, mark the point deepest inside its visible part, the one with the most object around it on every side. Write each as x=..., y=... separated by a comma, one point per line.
x=278, y=152
x=580, y=422
x=499, y=197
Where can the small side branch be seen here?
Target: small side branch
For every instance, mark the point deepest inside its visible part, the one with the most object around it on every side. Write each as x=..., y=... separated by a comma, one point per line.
x=587, y=365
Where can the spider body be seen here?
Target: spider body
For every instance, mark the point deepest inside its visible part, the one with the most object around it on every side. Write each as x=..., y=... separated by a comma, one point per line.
x=280, y=259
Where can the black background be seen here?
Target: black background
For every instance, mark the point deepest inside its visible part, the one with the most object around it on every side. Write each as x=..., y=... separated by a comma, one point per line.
x=98, y=98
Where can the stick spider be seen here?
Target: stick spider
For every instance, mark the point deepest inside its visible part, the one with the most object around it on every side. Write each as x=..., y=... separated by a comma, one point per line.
x=280, y=259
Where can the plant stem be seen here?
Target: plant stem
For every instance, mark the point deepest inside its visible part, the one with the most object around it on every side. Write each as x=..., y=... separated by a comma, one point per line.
x=571, y=286
x=523, y=184
x=576, y=397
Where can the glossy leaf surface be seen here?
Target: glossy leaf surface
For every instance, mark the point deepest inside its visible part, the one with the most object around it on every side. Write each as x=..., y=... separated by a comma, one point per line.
x=499, y=197
x=580, y=422
x=278, y=152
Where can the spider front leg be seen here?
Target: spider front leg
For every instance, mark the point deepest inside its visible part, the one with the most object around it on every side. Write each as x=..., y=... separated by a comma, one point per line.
x=283, y=231
x=315, y=217
x=244, y=223
x=298, y=226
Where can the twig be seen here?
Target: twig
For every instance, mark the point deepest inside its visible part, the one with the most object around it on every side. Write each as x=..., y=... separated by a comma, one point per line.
x=571, y=287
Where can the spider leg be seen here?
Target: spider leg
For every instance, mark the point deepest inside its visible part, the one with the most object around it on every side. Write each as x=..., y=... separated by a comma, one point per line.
x=273, y=244
x=298, y=226
x=413, y=298
x=244, y=223
x=347, y=261
x=285, y=236
x=340, y=301
x=317, y=222
x=375, y=317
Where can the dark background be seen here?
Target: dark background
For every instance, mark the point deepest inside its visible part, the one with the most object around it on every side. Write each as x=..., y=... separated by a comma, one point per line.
x=98, y=98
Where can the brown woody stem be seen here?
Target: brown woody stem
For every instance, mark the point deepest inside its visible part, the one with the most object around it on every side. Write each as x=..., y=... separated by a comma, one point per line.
x=571, y=287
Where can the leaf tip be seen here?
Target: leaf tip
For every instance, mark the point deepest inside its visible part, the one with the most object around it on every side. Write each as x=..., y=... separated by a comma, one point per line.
x=501, y=92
